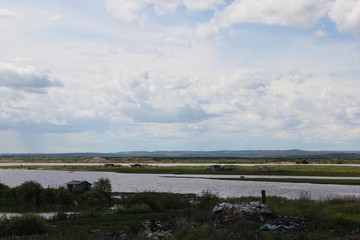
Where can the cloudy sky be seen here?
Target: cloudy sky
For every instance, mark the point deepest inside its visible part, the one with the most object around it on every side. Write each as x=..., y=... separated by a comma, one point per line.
x=124, y=75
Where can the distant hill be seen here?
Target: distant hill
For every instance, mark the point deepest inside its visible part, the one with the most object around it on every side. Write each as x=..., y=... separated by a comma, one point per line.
x=294, y=153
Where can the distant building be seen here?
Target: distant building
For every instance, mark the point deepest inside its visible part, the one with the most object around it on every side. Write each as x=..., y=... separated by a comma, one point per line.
x=136, y=165
x=109, y=165
x=213, y=168
x=80, y=186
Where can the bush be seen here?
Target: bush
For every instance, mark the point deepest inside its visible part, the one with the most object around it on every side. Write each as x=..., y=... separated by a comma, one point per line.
x=103, y=185
x=29, y=193
x=59, y=216
x=94, y=198
x=204, y=203
x=156, y=201
x=207, y=200
x=140, y=199
x=27, y=224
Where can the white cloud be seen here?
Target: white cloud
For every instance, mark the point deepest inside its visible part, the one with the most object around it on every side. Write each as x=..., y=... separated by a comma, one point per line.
x=320, y=33
x=26, y=78
x=55, y=17
x=208, y=30
x=126, y=10
x=274, y=12
x=243, y=86
x=346, y=15
x=8, y=18
x=200, y=5
x=299, y=76
x=177, y=41
x=21, y=59
x=130, y=11
x=6, y=15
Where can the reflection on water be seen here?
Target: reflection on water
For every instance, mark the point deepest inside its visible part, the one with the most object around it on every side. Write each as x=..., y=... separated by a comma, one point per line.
x=46, y=215
x=122, y=182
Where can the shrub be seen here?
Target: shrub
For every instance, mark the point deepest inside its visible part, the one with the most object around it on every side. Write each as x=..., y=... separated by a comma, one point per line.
x=94, y=198
x=59, y=216
x=29, y=193
x=207, y=200
x=27, y=224
x=156, y=201
x=140, y=199
x=103, y=185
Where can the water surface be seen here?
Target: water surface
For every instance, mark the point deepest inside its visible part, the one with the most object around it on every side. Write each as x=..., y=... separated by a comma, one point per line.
x=123, y=182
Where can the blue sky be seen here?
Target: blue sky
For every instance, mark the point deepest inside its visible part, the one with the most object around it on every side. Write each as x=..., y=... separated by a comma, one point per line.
x=124, y=75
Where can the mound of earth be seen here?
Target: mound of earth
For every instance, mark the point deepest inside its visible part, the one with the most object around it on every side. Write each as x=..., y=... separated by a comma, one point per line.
x=97, y=160
x=10, y=160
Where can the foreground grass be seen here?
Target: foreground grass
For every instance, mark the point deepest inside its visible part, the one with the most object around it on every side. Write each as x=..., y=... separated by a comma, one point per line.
x=324, y=219
x=190, y=217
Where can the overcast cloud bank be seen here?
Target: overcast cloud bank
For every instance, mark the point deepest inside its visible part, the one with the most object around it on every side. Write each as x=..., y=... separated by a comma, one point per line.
x=179, y=75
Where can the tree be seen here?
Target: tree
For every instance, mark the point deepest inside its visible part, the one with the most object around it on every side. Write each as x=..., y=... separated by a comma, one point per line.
x=30, y=193
x=103, y=185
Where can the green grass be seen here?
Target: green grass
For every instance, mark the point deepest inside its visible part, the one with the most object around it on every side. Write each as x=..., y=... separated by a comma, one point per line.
x=189, y=217
x=325, y=219
x=105, y=222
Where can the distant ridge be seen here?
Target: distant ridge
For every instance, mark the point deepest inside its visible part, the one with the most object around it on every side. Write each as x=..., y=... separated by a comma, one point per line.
x=293, y=153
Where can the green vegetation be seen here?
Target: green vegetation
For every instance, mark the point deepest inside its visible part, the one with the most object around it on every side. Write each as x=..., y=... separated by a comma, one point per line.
x=32, y=197
x=189, y=216
x=27, y=224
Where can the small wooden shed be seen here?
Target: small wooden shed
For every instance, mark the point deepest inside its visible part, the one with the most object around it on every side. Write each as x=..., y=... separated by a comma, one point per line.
x=80, y=186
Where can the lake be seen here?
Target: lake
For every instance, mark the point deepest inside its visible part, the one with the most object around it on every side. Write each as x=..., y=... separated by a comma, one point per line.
x=123, y=182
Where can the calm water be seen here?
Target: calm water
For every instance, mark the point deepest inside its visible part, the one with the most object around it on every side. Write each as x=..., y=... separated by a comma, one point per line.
x=161, y=183
x=46, y=215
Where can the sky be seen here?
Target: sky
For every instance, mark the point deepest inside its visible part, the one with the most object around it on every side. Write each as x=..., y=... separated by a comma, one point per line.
x=203, y=75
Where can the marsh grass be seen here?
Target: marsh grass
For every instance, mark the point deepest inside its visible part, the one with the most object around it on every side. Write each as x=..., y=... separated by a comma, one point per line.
x=189, y=217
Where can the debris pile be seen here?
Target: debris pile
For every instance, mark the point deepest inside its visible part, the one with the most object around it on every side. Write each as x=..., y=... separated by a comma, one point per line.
x=285, y=224
x=154, y=230
x=227, y=214
x=230, y=211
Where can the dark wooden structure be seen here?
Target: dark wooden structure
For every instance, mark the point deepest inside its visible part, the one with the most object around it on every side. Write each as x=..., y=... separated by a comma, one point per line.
x=80, y=186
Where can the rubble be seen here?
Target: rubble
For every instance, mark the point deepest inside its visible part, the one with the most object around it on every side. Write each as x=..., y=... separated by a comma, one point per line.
x=154, y=230
x=229, y=210
x=285, y=224
x=226, y=214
